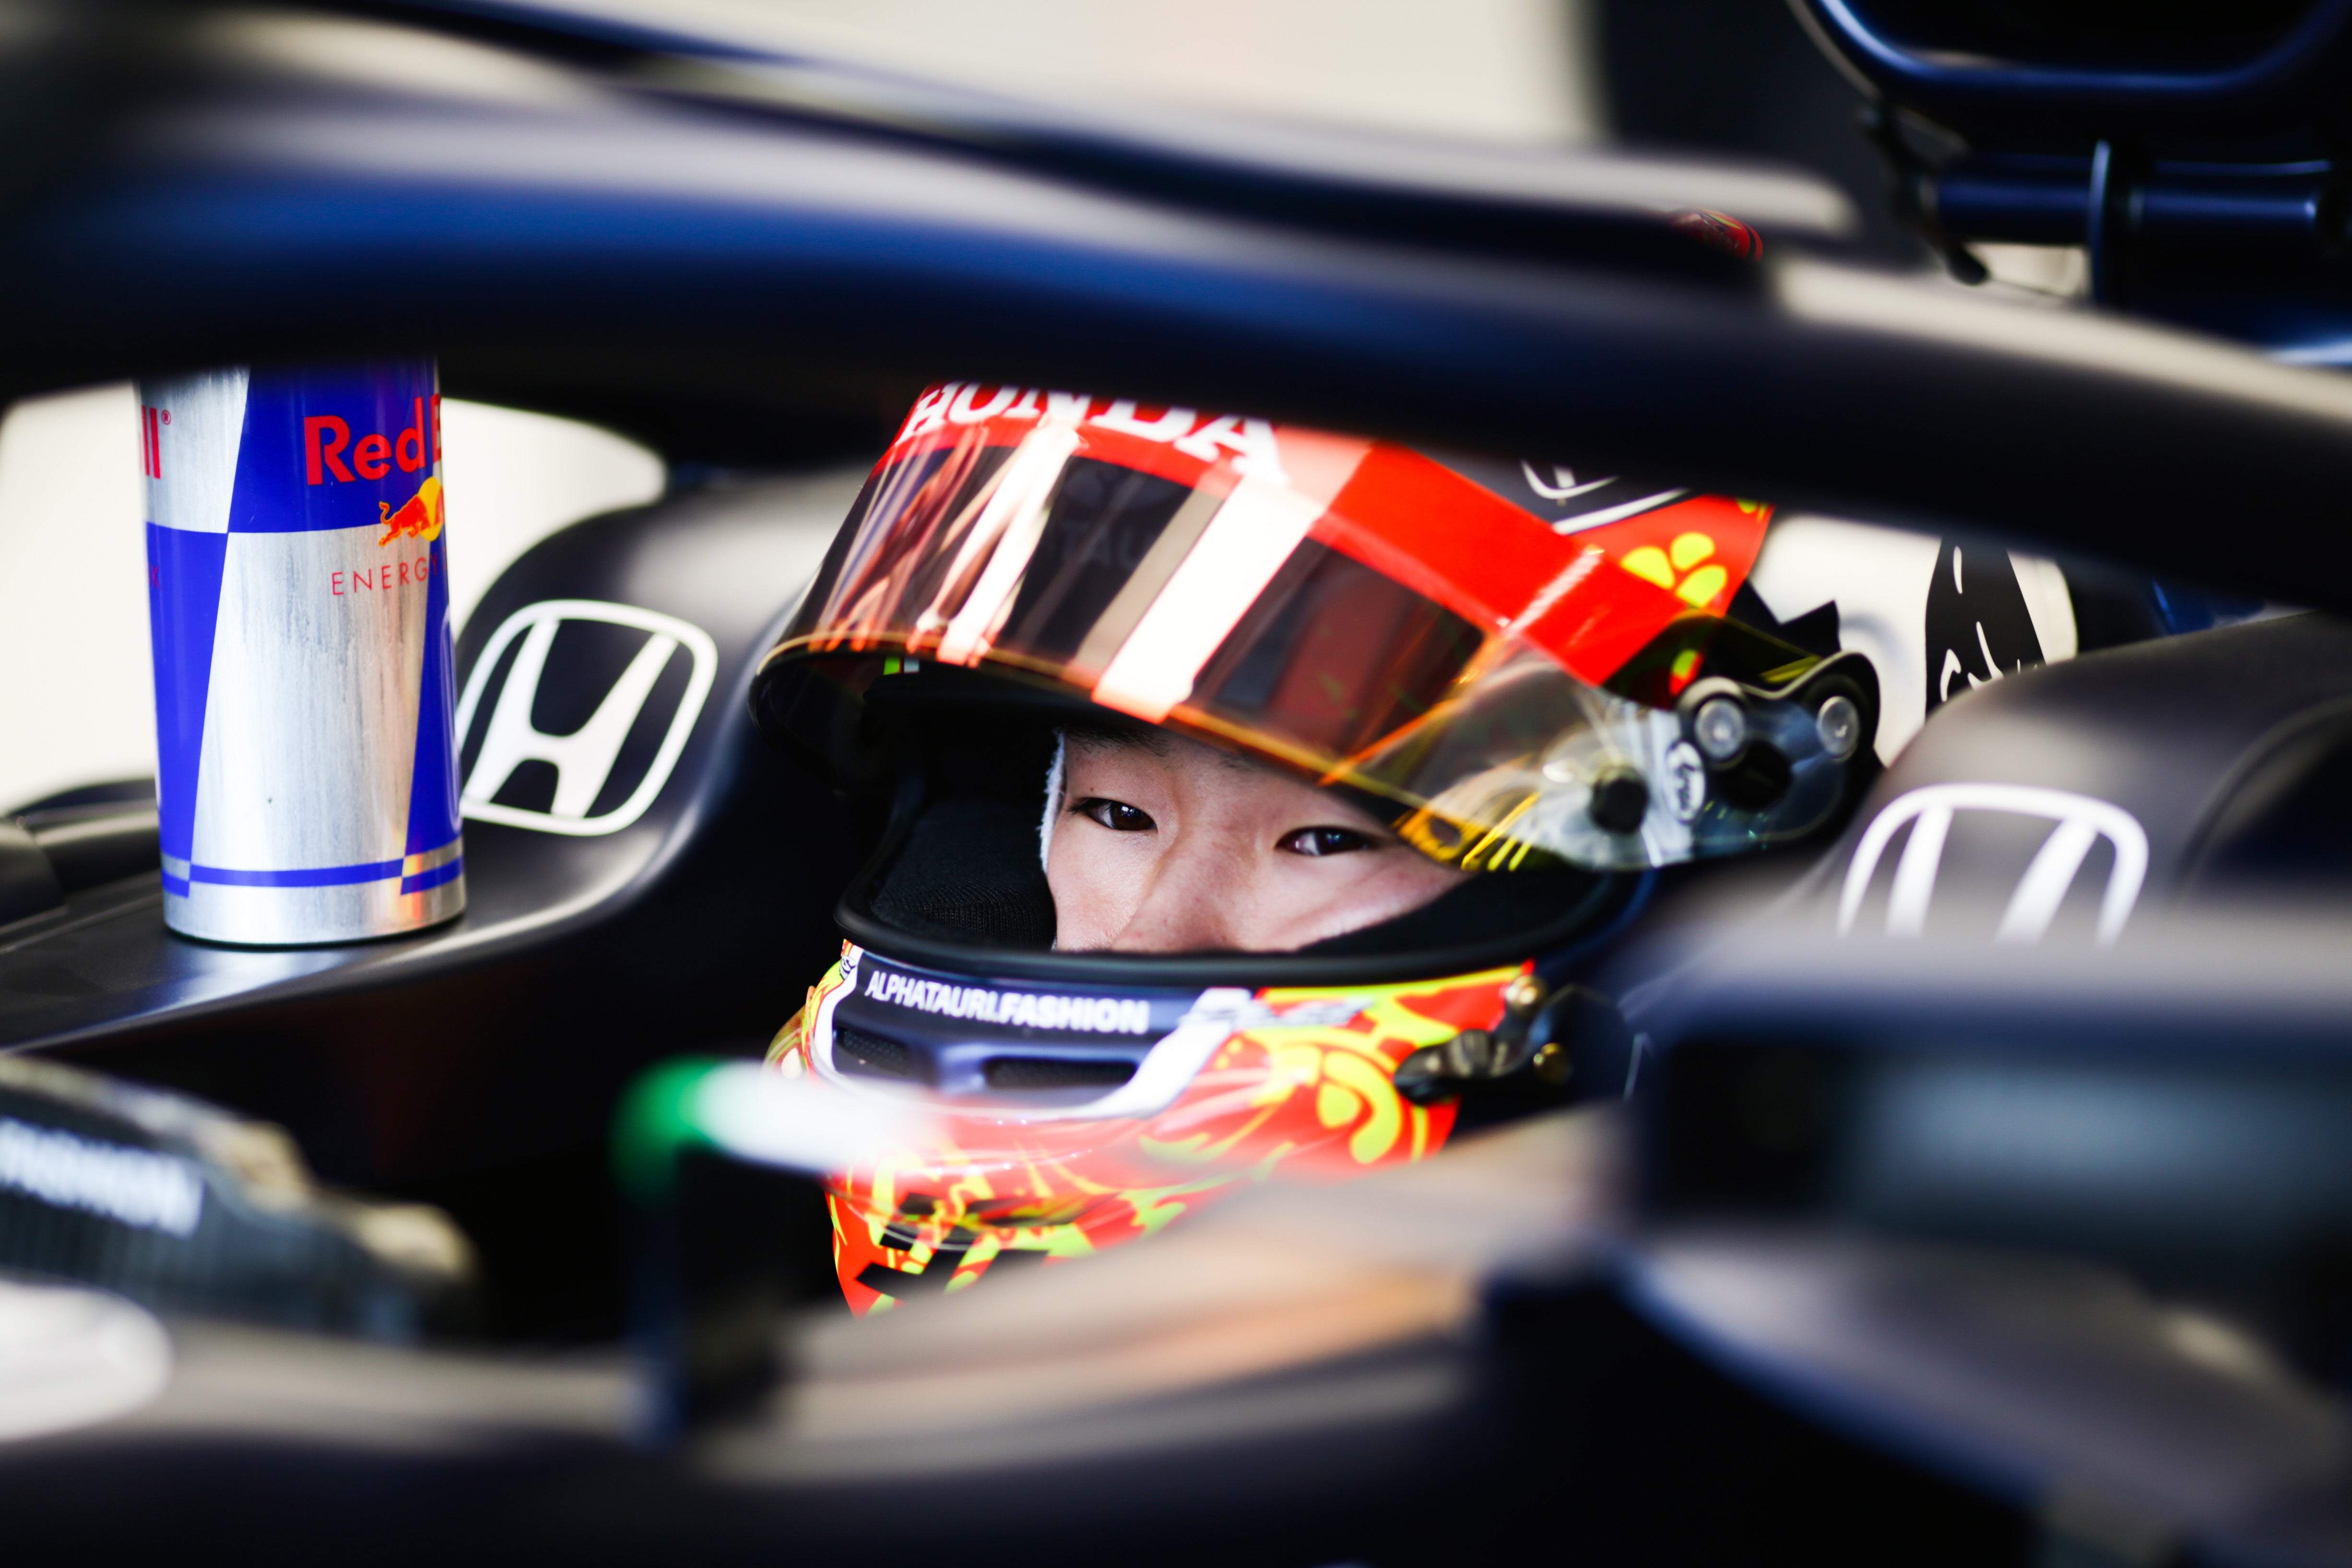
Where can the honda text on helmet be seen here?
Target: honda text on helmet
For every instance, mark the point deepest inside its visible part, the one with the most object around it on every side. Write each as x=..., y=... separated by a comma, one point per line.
x=1532, y=682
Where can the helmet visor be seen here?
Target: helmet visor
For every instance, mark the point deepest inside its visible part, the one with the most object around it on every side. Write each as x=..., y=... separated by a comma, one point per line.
x=1377, y=618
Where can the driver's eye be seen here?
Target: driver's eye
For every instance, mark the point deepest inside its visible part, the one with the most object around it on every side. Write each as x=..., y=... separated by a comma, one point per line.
x=1326, y=842
x=1117, y=815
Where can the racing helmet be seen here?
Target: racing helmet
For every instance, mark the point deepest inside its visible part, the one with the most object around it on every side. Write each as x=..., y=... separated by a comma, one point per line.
x=1554, y=678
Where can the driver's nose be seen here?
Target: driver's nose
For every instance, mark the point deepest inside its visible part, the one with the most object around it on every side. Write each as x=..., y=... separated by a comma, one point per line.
x=1197, y=900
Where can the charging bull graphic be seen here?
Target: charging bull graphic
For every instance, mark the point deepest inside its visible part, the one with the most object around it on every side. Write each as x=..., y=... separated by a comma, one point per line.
x=419, y=517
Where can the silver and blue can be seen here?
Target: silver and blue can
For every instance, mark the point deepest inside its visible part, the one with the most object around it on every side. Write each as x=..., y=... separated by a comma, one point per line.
x=297, y=597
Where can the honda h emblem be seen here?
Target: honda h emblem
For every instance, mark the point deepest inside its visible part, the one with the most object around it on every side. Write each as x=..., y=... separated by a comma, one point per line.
x=2077, y=823
x=583, y=759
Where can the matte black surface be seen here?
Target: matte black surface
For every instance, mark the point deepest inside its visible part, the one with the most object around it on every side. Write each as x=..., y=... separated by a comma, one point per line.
x=92, y=845
x=2043, y=1217
x=2214, y=742
x=1567, y=1425
x=1972, y=66
x=168, y=1202
x=29, y=882
x=1731, y=76
x=2194, y=152
x=245, y=215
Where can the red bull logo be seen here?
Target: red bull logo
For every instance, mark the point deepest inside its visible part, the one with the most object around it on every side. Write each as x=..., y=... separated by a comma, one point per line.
x=419, y=517
x=328, y=453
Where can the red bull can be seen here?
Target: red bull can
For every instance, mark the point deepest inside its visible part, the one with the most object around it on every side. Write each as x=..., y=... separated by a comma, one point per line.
x=295, y=558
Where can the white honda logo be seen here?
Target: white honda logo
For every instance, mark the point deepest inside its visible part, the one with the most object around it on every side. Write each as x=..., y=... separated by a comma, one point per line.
x=582, y=760
x=2078, y=823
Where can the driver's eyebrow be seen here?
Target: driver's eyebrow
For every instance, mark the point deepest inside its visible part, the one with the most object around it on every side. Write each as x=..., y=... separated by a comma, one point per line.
x=1113, y=737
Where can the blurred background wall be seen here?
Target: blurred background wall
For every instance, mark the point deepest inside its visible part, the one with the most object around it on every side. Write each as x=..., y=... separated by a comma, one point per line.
x=1514, y=68
x=1719, y=77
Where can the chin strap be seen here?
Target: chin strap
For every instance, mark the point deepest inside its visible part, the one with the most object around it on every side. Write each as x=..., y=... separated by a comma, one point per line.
x=1052, y=798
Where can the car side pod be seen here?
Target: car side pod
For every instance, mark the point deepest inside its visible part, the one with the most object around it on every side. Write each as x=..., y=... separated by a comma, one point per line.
x=2064, y=1222
x=184, y=1209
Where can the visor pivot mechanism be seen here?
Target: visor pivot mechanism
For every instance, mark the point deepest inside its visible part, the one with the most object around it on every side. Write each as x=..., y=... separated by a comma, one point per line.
x=1620, y=800
x=1716, y=720
x=1838, y=721
x=1720, y=730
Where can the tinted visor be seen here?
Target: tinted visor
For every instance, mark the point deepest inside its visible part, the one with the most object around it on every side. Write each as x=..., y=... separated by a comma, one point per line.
x=1374, y=617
